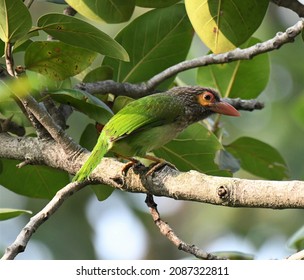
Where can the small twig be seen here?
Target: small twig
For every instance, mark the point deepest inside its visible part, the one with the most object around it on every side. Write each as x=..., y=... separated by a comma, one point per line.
x=146, y=88
x=19, y=245
x=168, y=232
x=9, y=60
x=293, y=5
x=245, y=105
x=29, y=4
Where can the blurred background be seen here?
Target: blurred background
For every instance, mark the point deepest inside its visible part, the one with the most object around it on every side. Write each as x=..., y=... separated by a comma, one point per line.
x=121, y=227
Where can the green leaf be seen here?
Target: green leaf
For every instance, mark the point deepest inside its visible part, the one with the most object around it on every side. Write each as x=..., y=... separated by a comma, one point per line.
x=84, y=102
x=57, y=60
x=195, y=148
x=2, y=45
x=15, y=20
x=224, y=24
x=297, y=110
x=9, y=107
x=155, y=3
x=102, y=192
x=8, y=213
x=79, y=33
x=32, y=181
x=296, y=241
x=156, y=40
x=111, y=11
x=99, y=74
x=88, y=138
x=234, y=255
x=258, y=158
x=120, y=102
x=245, y=79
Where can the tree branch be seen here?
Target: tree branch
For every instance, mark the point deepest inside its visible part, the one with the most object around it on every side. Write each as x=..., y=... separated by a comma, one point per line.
x=297, y=256
x=168, y=232
x=24, y=236
x=57, y=133
x=191, y=186
x=293, y=5
x=145, y=88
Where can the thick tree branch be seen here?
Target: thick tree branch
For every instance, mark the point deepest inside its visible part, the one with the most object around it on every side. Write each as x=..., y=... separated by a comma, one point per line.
x=293, y=5
x=24, y=236
x=145, y=88
x=192, y=185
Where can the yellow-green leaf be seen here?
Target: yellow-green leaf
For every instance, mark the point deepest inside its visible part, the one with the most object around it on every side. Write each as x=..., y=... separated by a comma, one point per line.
x=225, y=24
x=15, y=20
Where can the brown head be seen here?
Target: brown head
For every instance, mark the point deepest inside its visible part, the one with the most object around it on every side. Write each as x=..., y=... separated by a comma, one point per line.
x=201, y=102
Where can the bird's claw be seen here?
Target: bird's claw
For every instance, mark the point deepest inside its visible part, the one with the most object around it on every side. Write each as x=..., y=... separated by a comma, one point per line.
x=158, y=165
x=128, y=165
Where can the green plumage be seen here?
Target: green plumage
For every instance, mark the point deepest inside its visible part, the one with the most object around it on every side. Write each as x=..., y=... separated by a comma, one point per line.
x=147, y=124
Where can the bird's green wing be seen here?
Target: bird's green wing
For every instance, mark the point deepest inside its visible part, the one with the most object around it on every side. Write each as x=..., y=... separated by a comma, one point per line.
x=144, y=113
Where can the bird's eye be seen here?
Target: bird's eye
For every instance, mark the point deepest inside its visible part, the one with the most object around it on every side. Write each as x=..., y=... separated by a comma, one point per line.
x=208, y=96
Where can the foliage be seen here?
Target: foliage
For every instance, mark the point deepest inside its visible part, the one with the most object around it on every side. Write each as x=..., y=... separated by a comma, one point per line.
x=148, y=44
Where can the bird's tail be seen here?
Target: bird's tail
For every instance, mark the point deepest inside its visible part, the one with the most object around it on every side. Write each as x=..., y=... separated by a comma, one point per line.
x=100, y=149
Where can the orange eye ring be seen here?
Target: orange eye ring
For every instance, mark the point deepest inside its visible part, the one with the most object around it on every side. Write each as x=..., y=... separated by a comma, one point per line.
x=206, y=98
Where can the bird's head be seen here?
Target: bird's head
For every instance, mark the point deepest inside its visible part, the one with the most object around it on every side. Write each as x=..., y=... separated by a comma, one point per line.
x=210, y=100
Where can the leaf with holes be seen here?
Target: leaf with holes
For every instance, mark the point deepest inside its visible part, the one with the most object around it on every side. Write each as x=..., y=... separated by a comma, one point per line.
x=57, y=60
x=225, y=24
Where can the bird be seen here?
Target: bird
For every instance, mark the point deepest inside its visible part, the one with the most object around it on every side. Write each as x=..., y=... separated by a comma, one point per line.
x=150, y=122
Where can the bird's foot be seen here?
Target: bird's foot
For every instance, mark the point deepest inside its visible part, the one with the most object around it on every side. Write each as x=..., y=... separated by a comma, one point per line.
x=131, y=163
x=158, y=164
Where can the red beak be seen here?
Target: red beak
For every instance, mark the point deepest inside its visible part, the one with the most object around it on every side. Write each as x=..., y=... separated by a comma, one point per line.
x=224, y=108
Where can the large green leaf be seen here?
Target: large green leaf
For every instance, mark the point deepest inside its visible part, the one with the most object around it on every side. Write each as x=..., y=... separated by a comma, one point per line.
x=32, y=181
x=76, y=32
x=57, y=60
x=245, y=79
x=224, y=24
x=195, y=148
x=84, y=102
x=155, y=3
x=154, y=41
x=259, y=158
x=111, y=11
x=15, y=20
x=8, y=213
